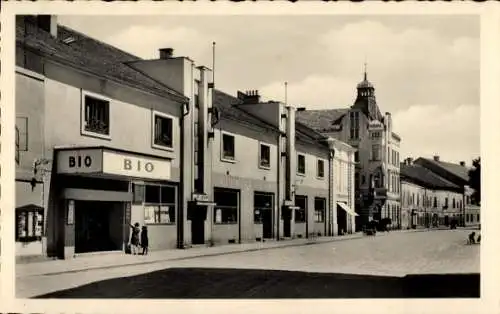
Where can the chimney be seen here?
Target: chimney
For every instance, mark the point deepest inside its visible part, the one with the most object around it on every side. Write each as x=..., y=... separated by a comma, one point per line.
x=249, y=97
x=166, y=53
x=409, y=161
x=436, y=158
x=462, y=163
x=48, y=23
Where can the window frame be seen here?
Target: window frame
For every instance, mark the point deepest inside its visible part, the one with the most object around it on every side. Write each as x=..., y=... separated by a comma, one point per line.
x=162, y=115
x=323, y=210
x=298, y=167
x=222, y=155
x=25, y=213
x=236, y=208
x=318, y=162
x=260, y=209
x=266, y=167
x=83, y=121
x=379, y=153
x=158, y=205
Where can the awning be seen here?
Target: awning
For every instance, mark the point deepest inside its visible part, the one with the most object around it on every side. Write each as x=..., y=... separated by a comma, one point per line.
x=347, y=209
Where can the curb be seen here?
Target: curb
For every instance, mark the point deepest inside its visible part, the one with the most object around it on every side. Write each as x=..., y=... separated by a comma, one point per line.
x=195, y=256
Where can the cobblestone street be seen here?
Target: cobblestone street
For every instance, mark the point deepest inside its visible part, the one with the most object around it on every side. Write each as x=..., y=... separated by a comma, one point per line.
x=390, y=255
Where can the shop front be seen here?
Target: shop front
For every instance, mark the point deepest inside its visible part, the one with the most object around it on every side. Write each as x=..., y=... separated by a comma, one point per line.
x=102, y=192
x=345, y=218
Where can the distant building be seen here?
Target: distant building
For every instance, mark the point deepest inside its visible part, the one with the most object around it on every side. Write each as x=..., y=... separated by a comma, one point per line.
x=427, y=199
x=377, y=171
x=457, y=174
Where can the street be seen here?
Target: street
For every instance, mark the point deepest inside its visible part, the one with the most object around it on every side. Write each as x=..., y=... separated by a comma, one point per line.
x=366, y=267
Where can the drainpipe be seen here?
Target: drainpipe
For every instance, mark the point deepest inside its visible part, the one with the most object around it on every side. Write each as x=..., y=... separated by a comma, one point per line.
x=182, y=209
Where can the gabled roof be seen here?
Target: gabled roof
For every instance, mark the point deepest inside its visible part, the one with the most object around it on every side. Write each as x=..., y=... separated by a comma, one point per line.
x=321, y=120
x=425, y=177
x=456, y=170
x=89, y=55
x=227, y=107
x=308, y=135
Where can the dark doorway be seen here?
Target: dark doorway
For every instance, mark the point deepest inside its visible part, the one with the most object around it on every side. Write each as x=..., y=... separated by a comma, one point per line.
x=287, y=221
x=263, y=212
x=98, y=226
x=446, y=220
x=197, y=215
x=341, y=220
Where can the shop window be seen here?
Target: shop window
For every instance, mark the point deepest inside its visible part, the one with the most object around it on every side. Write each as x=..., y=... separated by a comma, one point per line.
x=96, y=115
x=29, y=223
x=301, y=164
x=300, y=212
x=263, y=205
x=265, y=156
x=22, y=134
x=160, y=204
x=320, y=169
x=228, y=149
x=319, y=209
x=226, y=210
x=163, y=130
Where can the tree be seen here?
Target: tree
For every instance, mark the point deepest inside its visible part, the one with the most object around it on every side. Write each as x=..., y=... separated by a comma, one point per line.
x=475, y=180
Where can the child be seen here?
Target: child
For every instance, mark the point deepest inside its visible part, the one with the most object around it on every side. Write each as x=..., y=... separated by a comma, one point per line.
x=144, y=240
x=134, y=238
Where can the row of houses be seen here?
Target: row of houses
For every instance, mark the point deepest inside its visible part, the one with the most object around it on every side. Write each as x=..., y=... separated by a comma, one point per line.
x=105, y=139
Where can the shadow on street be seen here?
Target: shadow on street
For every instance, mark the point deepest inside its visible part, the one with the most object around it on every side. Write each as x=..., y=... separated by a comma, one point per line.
x=179, y=283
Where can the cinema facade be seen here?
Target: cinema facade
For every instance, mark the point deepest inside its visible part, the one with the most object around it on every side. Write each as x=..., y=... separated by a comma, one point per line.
x=105, y=139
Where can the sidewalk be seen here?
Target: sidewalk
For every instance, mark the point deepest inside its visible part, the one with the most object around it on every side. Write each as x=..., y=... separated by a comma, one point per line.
x=119, y=259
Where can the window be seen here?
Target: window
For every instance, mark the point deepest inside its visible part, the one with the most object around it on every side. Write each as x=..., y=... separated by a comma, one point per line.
x=300, y=212
x=435, y=202
x=319, y=209
x=265, y=156
x=228, y=147
x=356, y=156
x=263, y=206
x=226, y=210
x=375, y=152
x=17, y=146
x=29, y=223
x=354, y=123
x=376, y=135
x=301, y=164
x=446, y=203
x=363, y=179
x=163, y=131
x=96, y=115
x=159, y=204
x=453, y=204
x=22, y=133
x=320, y=171
x=356, y=181
x=478, y=218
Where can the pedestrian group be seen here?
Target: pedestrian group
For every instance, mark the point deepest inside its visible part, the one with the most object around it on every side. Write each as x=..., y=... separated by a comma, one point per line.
x=139, y=239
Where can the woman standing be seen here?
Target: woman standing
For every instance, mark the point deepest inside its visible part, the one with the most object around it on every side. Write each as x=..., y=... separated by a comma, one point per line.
x=134, y=238
x=144, y=240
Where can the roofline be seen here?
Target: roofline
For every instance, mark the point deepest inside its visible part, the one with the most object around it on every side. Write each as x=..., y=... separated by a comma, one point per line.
x=428, y=185
x=62, y=61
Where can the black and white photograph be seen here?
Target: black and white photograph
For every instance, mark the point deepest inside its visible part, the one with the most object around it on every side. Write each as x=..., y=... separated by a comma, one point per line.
x=247, y=156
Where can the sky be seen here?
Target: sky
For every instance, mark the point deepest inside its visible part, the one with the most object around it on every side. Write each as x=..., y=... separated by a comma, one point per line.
x=425, y=68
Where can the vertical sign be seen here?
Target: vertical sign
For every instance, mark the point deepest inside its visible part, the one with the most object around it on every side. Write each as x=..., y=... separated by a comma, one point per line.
x=218, y=215
x=71, y=212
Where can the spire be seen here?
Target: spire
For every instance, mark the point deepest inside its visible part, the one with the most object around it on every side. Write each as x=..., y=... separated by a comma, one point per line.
x=365, y=72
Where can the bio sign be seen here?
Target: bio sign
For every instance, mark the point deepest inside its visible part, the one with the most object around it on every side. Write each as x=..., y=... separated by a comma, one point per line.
x=110, y=162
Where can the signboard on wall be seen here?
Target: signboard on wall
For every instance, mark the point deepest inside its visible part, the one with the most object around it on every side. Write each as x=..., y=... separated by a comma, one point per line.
x=71, y=212
x=86, y=161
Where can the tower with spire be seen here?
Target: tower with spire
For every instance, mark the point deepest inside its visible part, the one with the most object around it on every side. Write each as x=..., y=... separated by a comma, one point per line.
x=365, y=99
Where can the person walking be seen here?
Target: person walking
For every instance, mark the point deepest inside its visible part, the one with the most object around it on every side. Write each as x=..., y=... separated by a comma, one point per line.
x=134, y=238
x=144, y=240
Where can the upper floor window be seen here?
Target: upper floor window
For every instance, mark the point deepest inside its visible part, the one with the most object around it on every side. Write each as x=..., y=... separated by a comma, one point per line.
x=376, y=135
x=446, y=203
x=96, y=116
x=356, y=156
x=301, y=164
x=376, y=152
x=17, y=146
x=265, y=156
x=22, y=133
x=228, y=149
x=320, y=171
x=163, y=131
x=354, y=122
x=453, y=203
x=435, y=202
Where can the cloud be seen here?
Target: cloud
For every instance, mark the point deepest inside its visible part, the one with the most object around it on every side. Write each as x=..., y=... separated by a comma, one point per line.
x=453, y=133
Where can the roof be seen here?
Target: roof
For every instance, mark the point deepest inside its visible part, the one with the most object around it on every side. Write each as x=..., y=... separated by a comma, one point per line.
x=425, y=177
x=396, y=136
x=90, y=55
x=226, y=105
x=306, y=134
x=455, y=169
x=321, y=120
x=365, y=84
